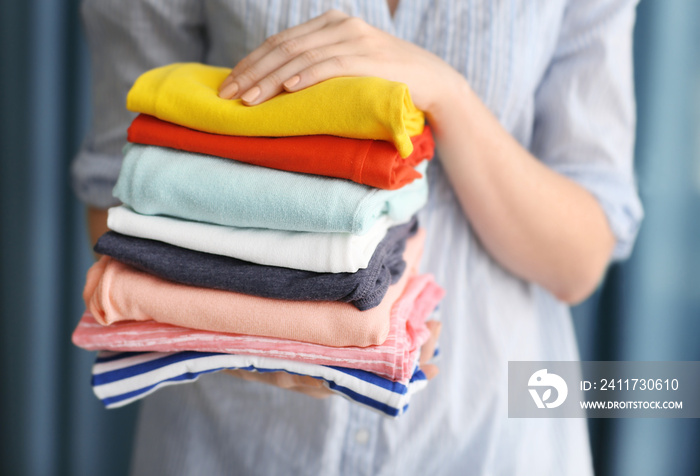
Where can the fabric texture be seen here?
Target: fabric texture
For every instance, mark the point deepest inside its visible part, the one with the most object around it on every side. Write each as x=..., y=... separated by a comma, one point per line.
x=364, y=289
x=393, y=359
x=117, y=292
x=373, y=163
x=318, y=252
x=160, y=181
x=122, y=378
x=357, y=107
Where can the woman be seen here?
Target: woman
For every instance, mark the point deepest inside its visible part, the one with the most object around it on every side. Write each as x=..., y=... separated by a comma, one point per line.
x=532, y=193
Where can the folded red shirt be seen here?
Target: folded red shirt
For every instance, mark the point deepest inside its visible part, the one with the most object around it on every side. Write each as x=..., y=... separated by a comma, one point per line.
x=370, y=162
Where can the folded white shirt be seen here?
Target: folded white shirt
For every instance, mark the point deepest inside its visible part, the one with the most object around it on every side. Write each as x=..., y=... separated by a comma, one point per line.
x=319, y=252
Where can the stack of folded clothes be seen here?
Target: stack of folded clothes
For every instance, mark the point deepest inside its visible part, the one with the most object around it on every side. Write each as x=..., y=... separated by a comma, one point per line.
x=280, y=237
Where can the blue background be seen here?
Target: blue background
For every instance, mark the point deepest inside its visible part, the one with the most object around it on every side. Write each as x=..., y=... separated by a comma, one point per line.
x=648, y=308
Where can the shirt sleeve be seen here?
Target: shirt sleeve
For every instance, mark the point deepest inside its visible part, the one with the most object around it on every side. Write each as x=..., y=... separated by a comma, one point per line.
x=585, y=111
x=126, y=38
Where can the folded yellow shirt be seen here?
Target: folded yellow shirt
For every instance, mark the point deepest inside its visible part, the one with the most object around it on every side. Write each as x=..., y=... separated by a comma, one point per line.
x=360, y=108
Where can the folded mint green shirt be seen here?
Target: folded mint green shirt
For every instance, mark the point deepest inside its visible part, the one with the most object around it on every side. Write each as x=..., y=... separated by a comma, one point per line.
x=160, y=181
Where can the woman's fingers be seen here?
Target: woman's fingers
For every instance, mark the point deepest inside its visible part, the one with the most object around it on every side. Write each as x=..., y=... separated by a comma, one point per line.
x=302, y=50
x=290, y=75
x=430, y=371
x=333, y=67
x=298, y=383
x=328, y=18
x=428, y=349
x=309, y=386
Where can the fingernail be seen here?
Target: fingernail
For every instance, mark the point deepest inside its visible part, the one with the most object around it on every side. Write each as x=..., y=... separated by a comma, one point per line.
x=291, y=82
x=225, y=82
x=251, y=95
x=229, y=91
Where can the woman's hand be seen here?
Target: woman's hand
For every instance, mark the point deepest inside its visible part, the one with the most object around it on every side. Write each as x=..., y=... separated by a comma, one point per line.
x=331, y=45
x=315, y=388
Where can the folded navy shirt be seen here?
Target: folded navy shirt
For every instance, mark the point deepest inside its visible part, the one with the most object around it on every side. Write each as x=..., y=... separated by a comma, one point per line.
x=364, y=289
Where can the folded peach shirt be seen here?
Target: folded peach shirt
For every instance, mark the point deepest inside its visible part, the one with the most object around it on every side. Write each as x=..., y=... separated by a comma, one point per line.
x=116, y=292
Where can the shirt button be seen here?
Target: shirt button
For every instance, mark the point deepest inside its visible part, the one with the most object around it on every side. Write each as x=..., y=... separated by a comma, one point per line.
x=362, y=436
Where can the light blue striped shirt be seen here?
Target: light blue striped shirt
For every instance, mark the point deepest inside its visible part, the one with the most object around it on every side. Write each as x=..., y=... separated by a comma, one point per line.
x=558, y=76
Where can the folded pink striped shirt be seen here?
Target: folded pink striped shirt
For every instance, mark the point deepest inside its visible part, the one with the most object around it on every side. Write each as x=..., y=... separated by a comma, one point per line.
x=394, y=359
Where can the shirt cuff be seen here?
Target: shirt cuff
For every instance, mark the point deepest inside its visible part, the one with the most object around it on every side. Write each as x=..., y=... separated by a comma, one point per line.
x=617, y=196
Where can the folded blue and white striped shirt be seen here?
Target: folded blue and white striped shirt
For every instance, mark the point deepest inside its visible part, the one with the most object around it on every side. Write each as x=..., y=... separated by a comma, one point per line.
x=119, y=378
